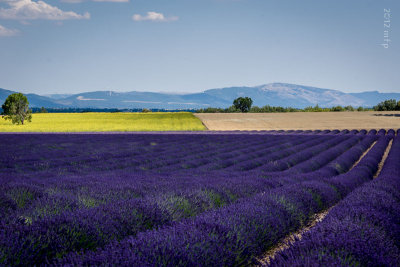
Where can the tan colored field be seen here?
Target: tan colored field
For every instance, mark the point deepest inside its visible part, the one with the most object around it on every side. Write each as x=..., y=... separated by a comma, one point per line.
x=300, y=120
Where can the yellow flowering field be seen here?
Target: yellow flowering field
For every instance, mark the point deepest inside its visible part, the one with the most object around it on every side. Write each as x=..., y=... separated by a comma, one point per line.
x=99, y=122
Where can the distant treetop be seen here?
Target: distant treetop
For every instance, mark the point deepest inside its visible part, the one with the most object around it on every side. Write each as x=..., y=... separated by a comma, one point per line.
x=243, y=103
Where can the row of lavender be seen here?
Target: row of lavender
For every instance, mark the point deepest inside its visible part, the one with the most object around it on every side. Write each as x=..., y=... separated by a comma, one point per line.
x=235, y=234
x=46, y=217
x=144, y=146
x=363, y=230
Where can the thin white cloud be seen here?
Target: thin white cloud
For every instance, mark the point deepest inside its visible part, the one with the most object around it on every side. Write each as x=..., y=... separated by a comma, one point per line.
x=80, y=1
x=153, y=16
x=7, y=32
x=29, y=10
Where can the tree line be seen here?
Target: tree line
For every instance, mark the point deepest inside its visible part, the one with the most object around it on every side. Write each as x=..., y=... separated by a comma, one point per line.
x=16, y=108
x=279, y=109
x=388, y=105
x=244, y=104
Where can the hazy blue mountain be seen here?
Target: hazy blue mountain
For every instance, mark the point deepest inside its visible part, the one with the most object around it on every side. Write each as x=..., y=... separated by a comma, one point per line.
x=109, y=99
x=373, y=97
x=274, y=94
x=58, y=96
x=4, y=94
x=281, y=94
x=34, y=99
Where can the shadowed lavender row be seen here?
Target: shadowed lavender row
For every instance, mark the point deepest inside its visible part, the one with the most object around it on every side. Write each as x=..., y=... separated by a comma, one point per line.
x=363, y=230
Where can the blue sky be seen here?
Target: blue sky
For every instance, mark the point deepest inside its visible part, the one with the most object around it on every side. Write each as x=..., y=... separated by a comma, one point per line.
x=72, y=46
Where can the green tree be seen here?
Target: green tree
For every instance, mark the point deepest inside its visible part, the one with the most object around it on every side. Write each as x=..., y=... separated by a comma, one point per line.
x=387, y=105
x=243, y=103
x=43, y=110
x=337, y=108
x=349, y=108
x=16, y=109
x=316, y=108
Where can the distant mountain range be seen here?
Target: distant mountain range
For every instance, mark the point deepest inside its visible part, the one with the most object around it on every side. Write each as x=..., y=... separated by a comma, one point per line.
x=273, y=94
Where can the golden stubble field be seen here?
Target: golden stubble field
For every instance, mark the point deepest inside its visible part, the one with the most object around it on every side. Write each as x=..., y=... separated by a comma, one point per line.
x=301, y=120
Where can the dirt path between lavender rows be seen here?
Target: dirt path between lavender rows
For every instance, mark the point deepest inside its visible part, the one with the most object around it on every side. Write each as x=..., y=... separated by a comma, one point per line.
x=300, y=121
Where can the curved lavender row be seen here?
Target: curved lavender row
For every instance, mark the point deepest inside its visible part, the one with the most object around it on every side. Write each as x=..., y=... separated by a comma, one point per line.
x=367, y=165
x=364, y=229
x=225, y=165
x=287, y=144
x=228, y=160
x=224, y=160
x=353, y=154
x=246, y=163
x=341, y=164
x=232, y=151
x=288, y=162
x=247, y=146
x=232, y=235
x=317, y=160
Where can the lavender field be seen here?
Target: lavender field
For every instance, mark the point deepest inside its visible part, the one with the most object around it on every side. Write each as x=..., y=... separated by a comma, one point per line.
x=200, y=199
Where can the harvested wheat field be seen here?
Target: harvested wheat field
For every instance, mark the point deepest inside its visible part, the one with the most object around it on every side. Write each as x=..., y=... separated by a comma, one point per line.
x=300, y=120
